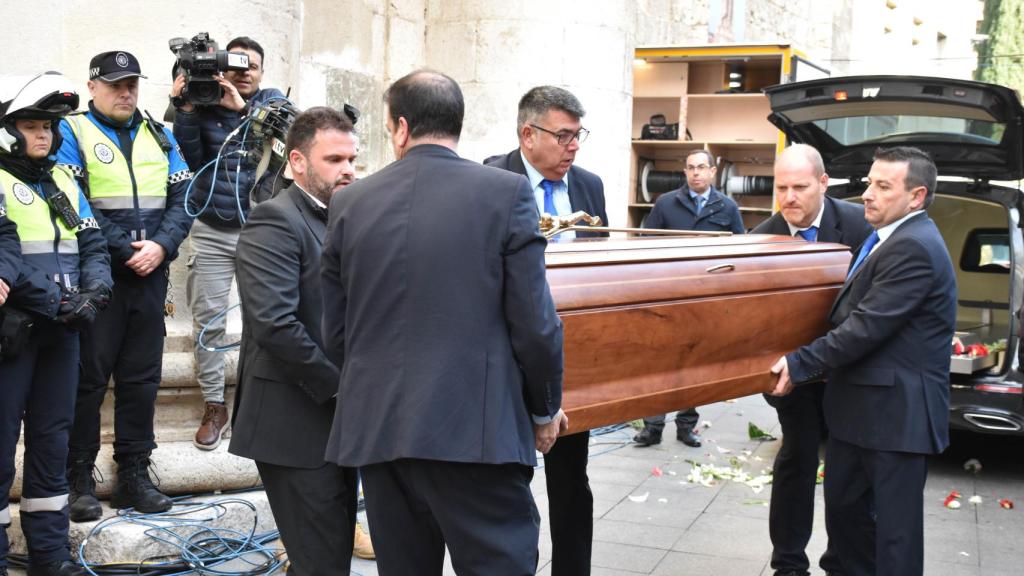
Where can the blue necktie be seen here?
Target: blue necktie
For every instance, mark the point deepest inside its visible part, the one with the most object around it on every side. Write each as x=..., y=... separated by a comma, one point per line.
x=549, y=197
x=700, y=203
x=810, y=234
x=864, y=251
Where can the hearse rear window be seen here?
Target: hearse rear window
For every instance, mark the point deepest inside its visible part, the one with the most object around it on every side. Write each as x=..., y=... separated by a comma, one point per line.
x=988, y=251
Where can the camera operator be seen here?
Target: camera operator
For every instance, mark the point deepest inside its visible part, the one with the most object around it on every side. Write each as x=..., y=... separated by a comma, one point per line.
x=220, y=199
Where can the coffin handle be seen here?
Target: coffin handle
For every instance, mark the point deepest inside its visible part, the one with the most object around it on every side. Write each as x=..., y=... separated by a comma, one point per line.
x=720, y=268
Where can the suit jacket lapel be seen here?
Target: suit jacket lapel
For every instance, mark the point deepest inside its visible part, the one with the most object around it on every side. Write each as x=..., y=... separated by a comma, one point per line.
x=830, y=229
x=577, y=196
x=900, y=230
x=316, y=225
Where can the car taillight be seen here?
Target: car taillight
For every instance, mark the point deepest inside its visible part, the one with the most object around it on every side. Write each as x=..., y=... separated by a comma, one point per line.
x=1000, y=388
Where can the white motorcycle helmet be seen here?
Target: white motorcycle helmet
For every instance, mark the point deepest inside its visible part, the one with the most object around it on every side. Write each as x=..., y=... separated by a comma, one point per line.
x=48, y=96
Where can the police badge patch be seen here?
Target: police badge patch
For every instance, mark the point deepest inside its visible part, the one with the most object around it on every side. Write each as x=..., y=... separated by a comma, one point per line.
x=23, y=193
x=103, y=153
x=121, y=59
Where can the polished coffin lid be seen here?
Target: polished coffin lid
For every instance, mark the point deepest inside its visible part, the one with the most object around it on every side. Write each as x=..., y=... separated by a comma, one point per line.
x=653, y=325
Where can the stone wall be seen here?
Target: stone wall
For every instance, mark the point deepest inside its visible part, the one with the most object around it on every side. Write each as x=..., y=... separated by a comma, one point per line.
x=332, y=52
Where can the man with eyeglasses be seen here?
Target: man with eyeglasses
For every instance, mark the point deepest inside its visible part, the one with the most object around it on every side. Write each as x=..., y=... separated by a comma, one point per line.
x=697, y=206
x=550, y=133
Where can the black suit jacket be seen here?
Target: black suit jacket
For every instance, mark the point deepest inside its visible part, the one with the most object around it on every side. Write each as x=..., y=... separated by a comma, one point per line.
x=841, y=222
x=437, y=308
x=887, y=357
x=284, y=404
x=586, y=190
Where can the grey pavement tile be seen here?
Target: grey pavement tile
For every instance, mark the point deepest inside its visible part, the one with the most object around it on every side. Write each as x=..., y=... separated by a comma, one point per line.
x=934, y=568
x=609, y=491
x=692, y=564
x=653, y=513
x=603, y=507
x=634, y=534
x=727, y=535
x=1000, y=548
x=951, y=543
x=625, y=557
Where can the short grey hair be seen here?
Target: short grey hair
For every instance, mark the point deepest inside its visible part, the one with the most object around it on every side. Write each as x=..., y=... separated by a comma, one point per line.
x=540, y=99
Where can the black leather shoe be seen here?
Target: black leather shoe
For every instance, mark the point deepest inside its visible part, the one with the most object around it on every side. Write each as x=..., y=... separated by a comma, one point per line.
x=62, y=568
x=792, y=573
x=692, y=440
x=647, y=437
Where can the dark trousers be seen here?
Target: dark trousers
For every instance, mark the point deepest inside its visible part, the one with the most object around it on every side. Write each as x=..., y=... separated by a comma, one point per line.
x=570, y=505
x=485, y=513
x=874, y=508
x=315, y=511
x=38, y=386
x=126, y=341
x=686, y=419
x=791, y=515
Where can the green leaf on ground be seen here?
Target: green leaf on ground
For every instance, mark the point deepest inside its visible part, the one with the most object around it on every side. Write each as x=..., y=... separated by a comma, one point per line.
x=756, y=433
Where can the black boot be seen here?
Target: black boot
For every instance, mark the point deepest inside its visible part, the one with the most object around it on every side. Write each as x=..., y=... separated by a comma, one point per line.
x=59, y=568
x=84, y=507
x=134, y=488
x=648, y=437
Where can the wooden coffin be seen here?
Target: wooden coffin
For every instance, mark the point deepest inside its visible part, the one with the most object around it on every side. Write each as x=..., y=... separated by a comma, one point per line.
x=657, y=324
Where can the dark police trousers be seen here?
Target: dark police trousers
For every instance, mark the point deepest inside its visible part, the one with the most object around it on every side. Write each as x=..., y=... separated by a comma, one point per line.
x=126, y=340
x=40, y=384
x=570, y=505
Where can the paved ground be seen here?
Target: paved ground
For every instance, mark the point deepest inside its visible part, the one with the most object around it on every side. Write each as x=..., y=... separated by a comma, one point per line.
x=650, y=520
x=693, y=530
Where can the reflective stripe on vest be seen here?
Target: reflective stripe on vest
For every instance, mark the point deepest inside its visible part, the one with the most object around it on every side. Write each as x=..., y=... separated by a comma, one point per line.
x=50, y=504
x=110, y=177
x=45, y=241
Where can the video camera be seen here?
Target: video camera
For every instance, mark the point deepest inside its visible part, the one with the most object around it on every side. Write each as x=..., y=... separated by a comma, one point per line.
x=200, y=61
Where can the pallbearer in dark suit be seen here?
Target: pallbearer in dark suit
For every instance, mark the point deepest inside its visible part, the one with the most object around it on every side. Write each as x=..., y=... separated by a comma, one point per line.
x=805, y=212
x=886, y=362
x=550, y=133
x=438, y=310
x=286, y=385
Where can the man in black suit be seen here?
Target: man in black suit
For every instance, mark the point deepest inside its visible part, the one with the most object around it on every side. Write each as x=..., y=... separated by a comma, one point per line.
x=805, y=212
x=696, y=206
x=550, y=134
x=286, y=384
x=886, y=361
x=437, y=307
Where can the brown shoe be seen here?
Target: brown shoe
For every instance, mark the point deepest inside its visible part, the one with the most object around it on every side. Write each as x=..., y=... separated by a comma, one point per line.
x=362, y=546
x=213, y=426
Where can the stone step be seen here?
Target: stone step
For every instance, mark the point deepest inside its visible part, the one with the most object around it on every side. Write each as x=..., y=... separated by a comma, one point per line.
x=126, y=540
x=179, y=369
x=180, y=467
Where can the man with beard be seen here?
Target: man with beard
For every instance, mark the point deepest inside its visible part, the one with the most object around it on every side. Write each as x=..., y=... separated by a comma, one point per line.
x=287, y=387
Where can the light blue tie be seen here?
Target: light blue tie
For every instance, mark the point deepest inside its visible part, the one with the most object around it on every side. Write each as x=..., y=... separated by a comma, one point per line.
x=700, y=203
x=810, y=234
x=864, y=251
x=549, y=197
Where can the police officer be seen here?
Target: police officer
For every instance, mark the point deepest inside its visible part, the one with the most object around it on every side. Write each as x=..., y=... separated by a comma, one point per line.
x=63, y=280
x=136, y=179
